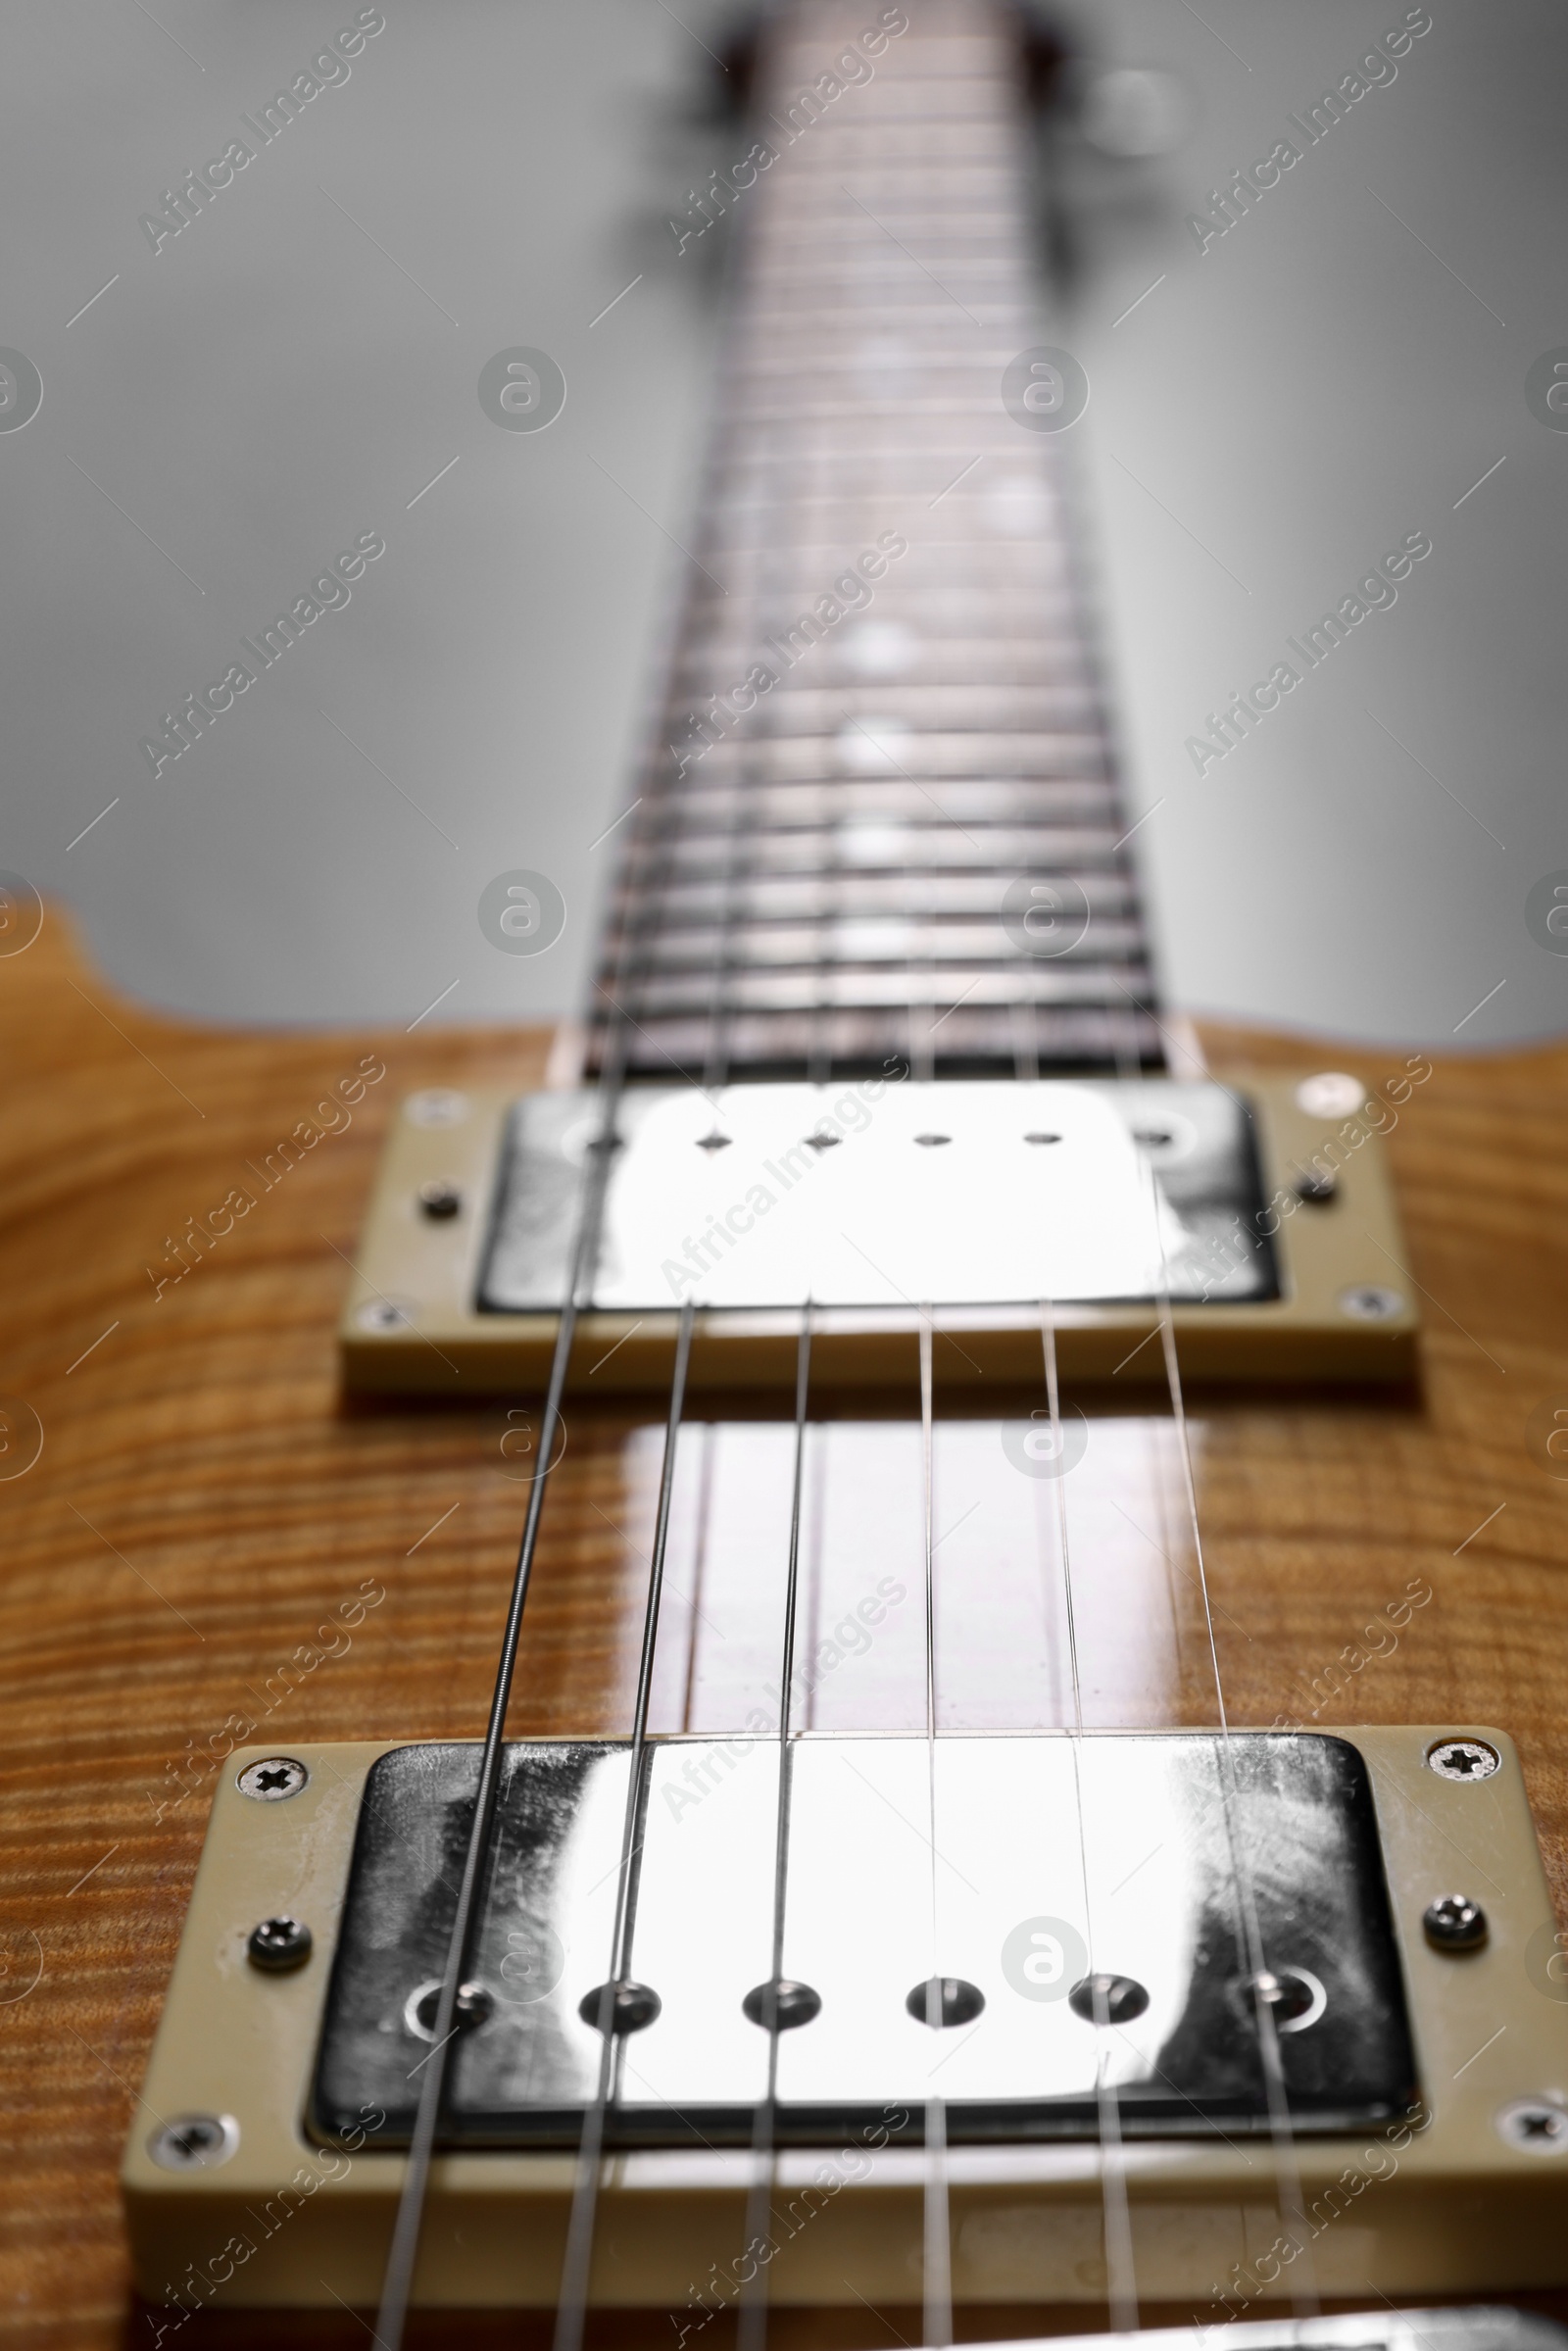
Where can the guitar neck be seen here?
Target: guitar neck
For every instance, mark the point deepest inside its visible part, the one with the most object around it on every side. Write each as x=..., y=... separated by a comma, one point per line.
x=882, y=715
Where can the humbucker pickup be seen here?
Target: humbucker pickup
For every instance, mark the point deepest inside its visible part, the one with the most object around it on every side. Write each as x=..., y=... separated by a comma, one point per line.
x=1099, y=1906
x=980, y=1206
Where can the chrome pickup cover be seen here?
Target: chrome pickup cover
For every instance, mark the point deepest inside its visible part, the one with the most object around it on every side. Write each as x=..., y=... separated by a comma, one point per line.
x=1482, y=2327
x=1166, y=1860
x=877, y=1194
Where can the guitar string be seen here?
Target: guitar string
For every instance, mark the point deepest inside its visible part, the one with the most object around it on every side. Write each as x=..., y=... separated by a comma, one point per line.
x=937, y=2230
x=571, y=2300
x=1121, y=2280
x=576, y=2272
x=752, y=2328
x=1124, y=1040
x=1121, y=1034
x=582, y=2225
x=397, y=2280
x=1282, y=2129
x=582, y=2222
x=935, y=2248
x=753, y=2316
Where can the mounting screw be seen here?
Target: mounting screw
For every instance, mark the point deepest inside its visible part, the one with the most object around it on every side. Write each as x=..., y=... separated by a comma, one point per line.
x=382, y=1314
x=1468, y=1759
x=1042, y=1138
x=1108, y=1999
x=1453, y=1922
x=1332, y=1094
x=1369, y=1301
x=781, y=2004
x=1315, y=1188
x=931, y=1140
x=631, y=2006
x=437, y=1106
x=278, y=1943
x=715, y=1141
x=1537, y=2124
x=194, y=2143
x=439, y=1200
x=271, y=1779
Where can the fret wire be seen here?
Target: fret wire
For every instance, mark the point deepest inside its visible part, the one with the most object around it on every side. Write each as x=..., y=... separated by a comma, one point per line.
x=1010, y=831
x=714, y=1070
x=1025, y=1044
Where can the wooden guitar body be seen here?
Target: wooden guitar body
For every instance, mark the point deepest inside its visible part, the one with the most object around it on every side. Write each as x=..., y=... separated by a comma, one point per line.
x=937, y=1748
x=214, y=1549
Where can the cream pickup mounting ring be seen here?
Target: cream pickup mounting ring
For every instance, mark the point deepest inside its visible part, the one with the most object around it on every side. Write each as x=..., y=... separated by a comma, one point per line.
x=753, y=1200
x=1436, y=2081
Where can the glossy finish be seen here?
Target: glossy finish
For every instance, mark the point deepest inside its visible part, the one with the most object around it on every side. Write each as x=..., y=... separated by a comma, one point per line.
x=323, y=1573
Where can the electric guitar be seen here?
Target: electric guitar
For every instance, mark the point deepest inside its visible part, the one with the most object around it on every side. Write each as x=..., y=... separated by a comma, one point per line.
x=891, y=1685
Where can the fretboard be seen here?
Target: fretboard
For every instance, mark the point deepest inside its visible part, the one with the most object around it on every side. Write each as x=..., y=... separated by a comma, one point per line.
x=882, y=713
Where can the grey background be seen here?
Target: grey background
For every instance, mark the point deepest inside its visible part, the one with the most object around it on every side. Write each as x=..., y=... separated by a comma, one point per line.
x=279, y=379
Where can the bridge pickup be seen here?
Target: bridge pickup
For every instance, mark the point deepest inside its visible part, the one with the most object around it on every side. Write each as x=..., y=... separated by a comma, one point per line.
x=1466, y=2199
x=1269, y=1230
x=1171, y=1867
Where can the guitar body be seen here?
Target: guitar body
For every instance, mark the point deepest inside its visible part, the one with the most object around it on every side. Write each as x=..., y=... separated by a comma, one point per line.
x=214, y=1549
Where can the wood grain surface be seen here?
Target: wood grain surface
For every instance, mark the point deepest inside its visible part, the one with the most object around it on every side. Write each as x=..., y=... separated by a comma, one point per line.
x=204, y=1498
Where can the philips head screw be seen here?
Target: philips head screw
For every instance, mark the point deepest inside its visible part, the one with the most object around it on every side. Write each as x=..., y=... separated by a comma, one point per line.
x=1467, y=1759
x=1539, y=2124
x=440, y=1201
x=382, y=1314
x=437, y=1106
x=1453, y=1922
x=1332, y=1094
x=1369, y=1301
x=277, y=1944
x=274, y=1778
x=194, y=2143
